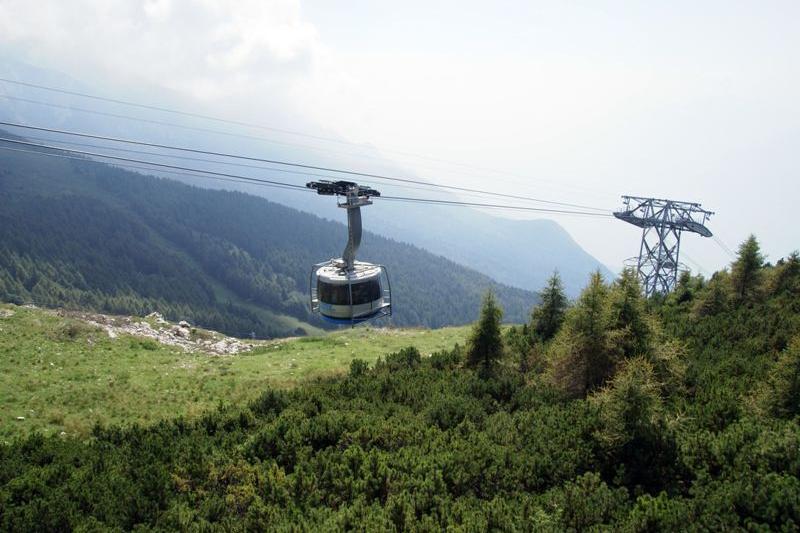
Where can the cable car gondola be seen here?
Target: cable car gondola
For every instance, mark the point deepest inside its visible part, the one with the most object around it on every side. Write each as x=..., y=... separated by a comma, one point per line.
x=343, y=290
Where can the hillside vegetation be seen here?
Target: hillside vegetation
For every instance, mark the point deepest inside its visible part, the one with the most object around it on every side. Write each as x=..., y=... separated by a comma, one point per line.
x=86, y=235
x=614, y=413
x=61, y=373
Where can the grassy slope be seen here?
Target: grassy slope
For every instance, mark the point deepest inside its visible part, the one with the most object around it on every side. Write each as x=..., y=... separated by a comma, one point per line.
x=63, y=376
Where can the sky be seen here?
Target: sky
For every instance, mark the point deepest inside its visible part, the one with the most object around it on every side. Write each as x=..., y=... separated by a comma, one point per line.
x=575, y=101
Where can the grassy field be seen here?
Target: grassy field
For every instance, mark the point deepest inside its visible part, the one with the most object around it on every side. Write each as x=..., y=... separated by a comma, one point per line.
x=61, y=375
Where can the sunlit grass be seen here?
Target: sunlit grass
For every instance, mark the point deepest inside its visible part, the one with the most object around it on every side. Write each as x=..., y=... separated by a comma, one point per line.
x=64, y=376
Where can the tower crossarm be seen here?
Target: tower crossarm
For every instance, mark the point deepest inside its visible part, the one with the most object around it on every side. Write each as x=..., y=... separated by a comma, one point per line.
x=651, y=212
x=342, y=188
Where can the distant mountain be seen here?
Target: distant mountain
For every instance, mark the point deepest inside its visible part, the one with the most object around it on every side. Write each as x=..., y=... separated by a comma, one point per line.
x=85, y=234
x=521, y=253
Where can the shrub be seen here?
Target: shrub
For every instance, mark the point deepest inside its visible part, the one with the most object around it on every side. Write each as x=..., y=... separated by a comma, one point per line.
x=446, y=359
x=358, y=367
x=407, y=358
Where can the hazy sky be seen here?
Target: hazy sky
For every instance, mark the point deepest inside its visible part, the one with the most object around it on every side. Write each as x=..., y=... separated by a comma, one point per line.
x=570, y=101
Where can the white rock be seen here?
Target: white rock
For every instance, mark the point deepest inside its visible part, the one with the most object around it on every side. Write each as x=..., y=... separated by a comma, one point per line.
x=220, y=347
x=20, y=418
x=184, y=324
x=158, y=317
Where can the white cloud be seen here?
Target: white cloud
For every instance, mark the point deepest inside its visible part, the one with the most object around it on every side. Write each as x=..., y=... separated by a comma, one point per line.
x=207, y=49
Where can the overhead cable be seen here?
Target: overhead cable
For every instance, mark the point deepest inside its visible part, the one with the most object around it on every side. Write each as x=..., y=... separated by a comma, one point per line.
x=218, y=162
x=476, y=204
x=140, y=161
x=212, y=118
x=143, y=168
x=282, y=184
x=297, y=165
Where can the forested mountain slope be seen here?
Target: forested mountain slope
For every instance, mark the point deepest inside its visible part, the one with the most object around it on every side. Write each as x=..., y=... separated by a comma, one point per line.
x=520, y=253
x=94, y=236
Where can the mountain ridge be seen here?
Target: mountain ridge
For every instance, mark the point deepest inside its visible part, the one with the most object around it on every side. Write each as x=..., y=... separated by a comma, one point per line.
x=521, y=253
x=111, y=240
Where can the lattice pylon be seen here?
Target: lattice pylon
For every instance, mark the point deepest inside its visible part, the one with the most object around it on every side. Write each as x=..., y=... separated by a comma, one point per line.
x=662, y=222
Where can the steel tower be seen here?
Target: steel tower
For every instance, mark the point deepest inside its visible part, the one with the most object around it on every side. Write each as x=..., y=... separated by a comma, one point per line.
x=662, y=222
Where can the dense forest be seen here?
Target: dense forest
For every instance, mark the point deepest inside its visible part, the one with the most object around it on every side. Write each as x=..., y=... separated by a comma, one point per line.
x=678, y=413
x=91, y=236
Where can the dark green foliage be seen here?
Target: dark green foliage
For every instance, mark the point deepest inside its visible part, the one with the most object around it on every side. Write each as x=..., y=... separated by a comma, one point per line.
x=358, y=367
x=631, y=407
x=407, y=358
x=606, y=327
x=627, y=316
x=581, y=357
x=785, y=277
x=697, y=430
x=589, y=502
x=548, y=316
x=520, y=345
x=486, y=343
x=746, y=274
x=447, y=359
x=780, y=395
x=716, y=298
x=89, y=236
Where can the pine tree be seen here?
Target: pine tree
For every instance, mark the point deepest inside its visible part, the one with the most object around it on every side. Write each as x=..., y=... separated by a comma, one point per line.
x=547, y=318
x=628, y=318
x=485, y=342
x=746, y=272
x=785, y=277
x=581, y=358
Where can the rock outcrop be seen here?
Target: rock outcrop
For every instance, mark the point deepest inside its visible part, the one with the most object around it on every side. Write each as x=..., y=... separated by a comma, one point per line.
x=154, y=326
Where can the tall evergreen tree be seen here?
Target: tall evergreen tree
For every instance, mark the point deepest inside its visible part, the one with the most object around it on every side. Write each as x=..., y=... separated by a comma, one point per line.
x=485, y=343
x=746, y=272
x=628, y=317
x=548, y=317
x=581, y=358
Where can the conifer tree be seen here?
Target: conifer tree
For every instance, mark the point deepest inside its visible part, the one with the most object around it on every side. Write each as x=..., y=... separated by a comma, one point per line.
x=628, y=316
x=581, y=358
x=746, y=272
x=631, y=406
x=785, y=277
x=547, y=318
x=485, y=342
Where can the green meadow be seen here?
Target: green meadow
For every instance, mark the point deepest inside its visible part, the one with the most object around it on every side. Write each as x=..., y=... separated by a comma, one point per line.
x=60, y=374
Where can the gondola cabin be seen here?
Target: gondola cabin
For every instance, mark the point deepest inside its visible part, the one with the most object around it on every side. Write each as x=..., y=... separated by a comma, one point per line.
x=343, y=296
x=346, y=291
